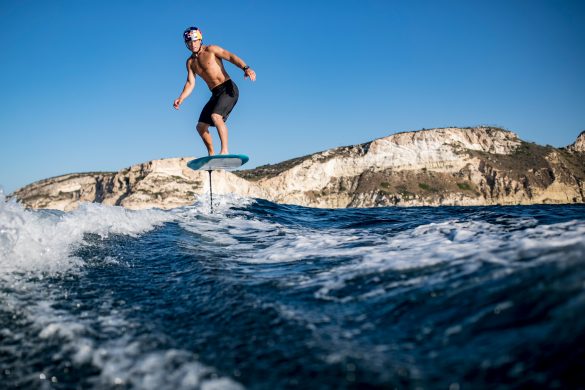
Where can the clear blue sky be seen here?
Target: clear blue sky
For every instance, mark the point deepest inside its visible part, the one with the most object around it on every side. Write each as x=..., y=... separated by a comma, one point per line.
x=89, y=85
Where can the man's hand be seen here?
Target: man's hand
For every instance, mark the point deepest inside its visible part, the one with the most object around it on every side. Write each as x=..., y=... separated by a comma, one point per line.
x=177, y=103
x=250, y=73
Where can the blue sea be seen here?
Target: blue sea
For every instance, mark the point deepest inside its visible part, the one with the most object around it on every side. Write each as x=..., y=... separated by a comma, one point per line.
x=266, y=296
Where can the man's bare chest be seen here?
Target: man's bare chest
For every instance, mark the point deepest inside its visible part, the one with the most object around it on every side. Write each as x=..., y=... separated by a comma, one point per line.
x=204, y=63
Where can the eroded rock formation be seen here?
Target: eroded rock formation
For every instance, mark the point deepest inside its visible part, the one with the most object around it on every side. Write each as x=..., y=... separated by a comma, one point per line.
x=448, y=166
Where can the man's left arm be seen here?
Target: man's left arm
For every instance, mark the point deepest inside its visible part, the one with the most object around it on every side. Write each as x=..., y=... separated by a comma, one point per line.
x=234, y=59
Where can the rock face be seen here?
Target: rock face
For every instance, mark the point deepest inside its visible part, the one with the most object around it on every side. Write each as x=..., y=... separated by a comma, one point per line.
x=579, y=145
x=164, y=184
x=448, y=166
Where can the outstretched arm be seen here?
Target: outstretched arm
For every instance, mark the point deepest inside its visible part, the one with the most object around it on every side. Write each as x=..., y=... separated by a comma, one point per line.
x=234, y=59
x=188, y=88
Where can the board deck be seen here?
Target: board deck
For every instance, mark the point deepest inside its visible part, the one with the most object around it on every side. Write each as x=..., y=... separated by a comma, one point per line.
x=221, y=161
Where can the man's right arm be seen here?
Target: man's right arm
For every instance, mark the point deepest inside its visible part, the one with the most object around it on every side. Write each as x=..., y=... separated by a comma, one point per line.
x=189, y=86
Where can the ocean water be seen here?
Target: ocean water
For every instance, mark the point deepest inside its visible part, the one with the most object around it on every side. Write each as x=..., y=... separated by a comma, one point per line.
x=264, y=296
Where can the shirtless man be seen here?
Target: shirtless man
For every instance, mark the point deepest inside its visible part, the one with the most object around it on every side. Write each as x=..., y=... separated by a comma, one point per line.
x=206, y=62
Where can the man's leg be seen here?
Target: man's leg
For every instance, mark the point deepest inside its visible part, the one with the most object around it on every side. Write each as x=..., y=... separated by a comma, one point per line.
x=203, y=130
x=222, y=131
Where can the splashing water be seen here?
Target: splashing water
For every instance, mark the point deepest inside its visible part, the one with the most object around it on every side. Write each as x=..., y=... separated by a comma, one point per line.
x=268, y=296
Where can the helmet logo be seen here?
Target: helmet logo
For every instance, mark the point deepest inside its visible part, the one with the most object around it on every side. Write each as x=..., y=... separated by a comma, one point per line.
x=192, y=34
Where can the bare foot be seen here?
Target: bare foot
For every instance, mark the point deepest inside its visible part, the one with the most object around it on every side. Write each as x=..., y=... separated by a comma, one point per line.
x=224, y=152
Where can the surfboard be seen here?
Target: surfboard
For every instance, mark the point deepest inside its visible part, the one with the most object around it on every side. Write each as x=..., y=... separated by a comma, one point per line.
x=221, y=161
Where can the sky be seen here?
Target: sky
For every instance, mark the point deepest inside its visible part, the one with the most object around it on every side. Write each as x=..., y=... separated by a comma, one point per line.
x=89, y=85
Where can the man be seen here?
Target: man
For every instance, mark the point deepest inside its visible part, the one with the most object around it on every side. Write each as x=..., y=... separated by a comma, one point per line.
x=206, y=62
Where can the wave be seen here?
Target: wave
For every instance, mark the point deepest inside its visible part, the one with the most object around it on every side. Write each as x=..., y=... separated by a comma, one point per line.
x=44, y=240
x=255, y=291
x=39, y=259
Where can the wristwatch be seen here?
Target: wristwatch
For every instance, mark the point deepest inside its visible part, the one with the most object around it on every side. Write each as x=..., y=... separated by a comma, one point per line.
x=245, y=68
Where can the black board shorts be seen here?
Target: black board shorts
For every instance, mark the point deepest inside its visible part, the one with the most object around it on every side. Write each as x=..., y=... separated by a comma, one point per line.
x=223, y=99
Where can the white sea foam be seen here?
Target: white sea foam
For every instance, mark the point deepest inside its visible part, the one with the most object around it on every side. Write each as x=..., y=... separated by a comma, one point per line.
x=468, y=244
x=364, y=252
x=218, y=228
x=121, y=361
x=43, y=240
x=422, y=246
x=222, y=203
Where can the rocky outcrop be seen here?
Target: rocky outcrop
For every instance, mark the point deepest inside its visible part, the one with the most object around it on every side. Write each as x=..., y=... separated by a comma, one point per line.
x=166, y=184
x=579, y=145
x=448, y=166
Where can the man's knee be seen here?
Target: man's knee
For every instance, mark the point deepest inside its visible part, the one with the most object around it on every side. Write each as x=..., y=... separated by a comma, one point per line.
x=202, y=127
x=217, y=118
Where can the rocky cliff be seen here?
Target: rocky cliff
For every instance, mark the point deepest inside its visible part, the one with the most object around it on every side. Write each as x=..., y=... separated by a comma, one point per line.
x=448, y=166
x=164, y=184
x=579, y=145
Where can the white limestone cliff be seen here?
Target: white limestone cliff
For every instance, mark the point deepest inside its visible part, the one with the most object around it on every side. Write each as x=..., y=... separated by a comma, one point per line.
x=437, y=150
x=165, y=184
x=579, y=144
x=447, y=166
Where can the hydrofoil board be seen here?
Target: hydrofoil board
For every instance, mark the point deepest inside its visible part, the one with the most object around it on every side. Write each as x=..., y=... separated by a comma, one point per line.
x=221, y=161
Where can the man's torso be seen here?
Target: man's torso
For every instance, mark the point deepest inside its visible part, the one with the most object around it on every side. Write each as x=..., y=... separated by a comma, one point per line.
x=209, y=67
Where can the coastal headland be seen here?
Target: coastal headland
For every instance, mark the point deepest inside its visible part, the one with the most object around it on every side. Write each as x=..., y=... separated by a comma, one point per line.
x=431, y=167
